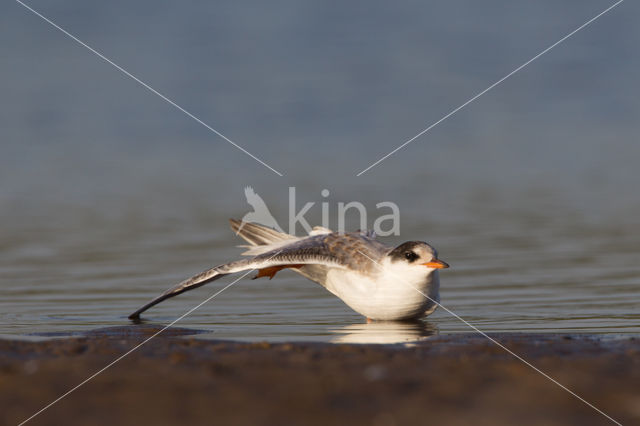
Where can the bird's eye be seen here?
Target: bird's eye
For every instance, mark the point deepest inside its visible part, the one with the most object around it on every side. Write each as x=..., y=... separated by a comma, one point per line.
x=410, y=256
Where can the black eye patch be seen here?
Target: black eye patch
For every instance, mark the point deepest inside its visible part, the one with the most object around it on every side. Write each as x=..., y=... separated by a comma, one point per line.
x=411, y=256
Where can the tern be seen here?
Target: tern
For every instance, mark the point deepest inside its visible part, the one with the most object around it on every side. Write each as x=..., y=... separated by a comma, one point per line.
x=377, y=281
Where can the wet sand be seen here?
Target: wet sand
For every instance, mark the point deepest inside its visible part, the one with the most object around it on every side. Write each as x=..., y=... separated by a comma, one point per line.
x=453, y=379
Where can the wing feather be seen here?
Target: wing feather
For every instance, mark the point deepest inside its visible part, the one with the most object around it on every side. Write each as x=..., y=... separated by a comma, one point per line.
x=308, y=251
x=313, y=256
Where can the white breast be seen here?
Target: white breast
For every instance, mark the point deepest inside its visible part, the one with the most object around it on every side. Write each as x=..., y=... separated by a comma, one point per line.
x=397, y=293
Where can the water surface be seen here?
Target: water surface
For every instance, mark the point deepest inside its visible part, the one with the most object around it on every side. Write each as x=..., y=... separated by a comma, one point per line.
x=109, y=195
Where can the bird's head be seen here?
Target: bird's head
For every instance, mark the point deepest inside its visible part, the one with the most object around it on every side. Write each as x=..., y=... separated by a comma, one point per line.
x=416, y=254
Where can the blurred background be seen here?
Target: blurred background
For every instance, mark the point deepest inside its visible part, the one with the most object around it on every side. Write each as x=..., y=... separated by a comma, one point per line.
x=109, y=194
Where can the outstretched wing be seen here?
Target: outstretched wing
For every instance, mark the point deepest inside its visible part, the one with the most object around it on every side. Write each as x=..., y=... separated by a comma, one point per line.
x=348, y=248
x=308, y=251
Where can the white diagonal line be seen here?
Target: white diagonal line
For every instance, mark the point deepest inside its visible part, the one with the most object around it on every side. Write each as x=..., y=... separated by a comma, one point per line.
x=491, y=87
x=500, y=345
x=127, y=353
x=145, y=85
x=138, y=345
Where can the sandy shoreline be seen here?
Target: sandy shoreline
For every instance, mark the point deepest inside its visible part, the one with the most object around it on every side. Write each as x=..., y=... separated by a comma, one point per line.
x=452, y=379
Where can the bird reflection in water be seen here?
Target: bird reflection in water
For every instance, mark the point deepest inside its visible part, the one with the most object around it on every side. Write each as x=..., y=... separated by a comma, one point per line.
x=385, y=332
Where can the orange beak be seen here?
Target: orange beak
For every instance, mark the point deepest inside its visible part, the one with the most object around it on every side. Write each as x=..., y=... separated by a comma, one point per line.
x=436, y=264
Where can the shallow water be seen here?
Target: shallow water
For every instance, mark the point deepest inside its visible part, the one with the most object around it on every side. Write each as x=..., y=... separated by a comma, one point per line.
x=562, y=277
x=108, y=195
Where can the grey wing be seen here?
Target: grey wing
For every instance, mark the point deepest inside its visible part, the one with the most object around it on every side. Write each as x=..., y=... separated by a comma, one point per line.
x=186, y=285
x=353, y=251
x=309, y=251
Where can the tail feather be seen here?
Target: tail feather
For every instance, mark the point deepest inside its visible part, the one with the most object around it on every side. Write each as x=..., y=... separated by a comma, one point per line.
x=258, y=235
x=265, y=239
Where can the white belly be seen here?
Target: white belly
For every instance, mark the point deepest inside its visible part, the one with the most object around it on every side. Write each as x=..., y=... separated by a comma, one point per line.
x=388, y=297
